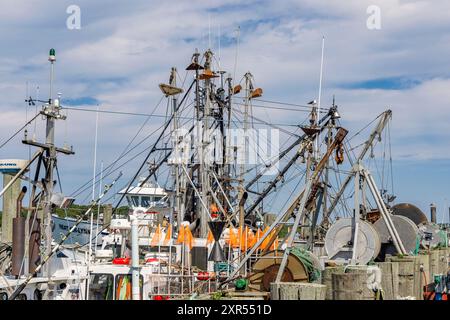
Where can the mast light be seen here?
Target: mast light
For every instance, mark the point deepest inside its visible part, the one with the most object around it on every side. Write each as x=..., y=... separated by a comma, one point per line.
x=52, y=55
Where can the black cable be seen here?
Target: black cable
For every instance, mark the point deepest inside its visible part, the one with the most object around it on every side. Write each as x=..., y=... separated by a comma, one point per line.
x=140, y=129
x=86, y=185
x=152, y=150
x=18, y=131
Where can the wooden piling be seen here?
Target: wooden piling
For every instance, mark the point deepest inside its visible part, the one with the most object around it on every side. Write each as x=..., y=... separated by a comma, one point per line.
x=444, y=260
x=297, y=291
x=389, y=279
x=327, y=279
x=438, y=262
x=350, y=286
x=367, y=293
x=409, y=276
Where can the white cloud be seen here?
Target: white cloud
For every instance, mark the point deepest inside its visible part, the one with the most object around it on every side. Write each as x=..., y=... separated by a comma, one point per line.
x=124, y=50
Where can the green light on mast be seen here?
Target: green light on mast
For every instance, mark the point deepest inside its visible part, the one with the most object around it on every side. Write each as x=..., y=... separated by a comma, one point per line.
x=52, y=55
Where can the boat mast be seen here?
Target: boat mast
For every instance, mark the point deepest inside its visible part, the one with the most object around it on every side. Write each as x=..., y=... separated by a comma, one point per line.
x=205, y=141
x=171, y=90
x=176, y=169
x=51, y=157
x=51, y=111
x=245, y=152
x=325, y=220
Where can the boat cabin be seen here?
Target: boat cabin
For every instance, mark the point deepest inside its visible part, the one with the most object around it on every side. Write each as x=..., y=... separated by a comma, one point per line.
x=146, y=197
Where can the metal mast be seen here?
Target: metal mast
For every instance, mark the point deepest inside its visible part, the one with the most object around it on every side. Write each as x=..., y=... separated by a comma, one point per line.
x=385, y=117
x=171, y=90
x=245, y=151
x=51, y=111
x=297, y=210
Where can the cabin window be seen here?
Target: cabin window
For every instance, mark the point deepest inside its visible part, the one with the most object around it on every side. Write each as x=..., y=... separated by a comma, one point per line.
x=133, y=201
x=123, y=286
x=158, y=198
x=101, y=287
x=146, y=201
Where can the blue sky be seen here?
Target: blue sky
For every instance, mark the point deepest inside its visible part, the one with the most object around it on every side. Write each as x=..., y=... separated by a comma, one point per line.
x=124, y=49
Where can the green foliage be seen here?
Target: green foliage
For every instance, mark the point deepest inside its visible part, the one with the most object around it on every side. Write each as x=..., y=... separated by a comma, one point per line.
x=283, y=232
x=75, y=211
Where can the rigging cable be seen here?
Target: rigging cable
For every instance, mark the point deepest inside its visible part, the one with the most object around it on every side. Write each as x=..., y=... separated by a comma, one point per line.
x=18, y=131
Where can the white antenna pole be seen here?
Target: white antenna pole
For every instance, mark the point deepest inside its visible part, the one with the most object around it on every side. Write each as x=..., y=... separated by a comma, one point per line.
x=52, y=72
x=98, y=207
x=95, y=153
x=26, y=98
x=209, y=31
x=93, y=185
x=35, y=111
x=320, y=94
x=237, y=51
x=220, y=69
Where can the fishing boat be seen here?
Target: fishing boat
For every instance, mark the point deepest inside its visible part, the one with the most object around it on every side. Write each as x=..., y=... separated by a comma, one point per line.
x=197, y=224
x=80, y=234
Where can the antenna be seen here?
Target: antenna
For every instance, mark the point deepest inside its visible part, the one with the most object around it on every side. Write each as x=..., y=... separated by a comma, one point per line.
x=209, y=30
x=320, y=93
x=26, y=97
x=52, y=59
x=98, y=207
x=91, y=227
x=95, y=152
x=218, y=58
x=238, y=31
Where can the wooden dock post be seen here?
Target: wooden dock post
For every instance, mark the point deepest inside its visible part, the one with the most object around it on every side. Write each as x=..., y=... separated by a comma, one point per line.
x=327, y=279
x=409, y=276
x=438, y=262
x=350, y=286
x=297, y=291
x=389, y=279
x=443, y=259
x=367, y=293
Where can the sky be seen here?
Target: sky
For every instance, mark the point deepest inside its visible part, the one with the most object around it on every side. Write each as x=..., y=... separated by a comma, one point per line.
x=124, y=49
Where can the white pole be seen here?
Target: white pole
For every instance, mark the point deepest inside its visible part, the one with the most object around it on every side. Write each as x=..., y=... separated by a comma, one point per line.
x=95, y=153
x=238, y=34
x=209, y=31
x=245, y=247
x=320, y=95
x=135, y=292
x=93, y=185
x=93, y=199
x=159, y=254
x=170, y=265
x=229, y=257
x=182, y=267
x=98, y=208
x=356, y=218
x=219, y=50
